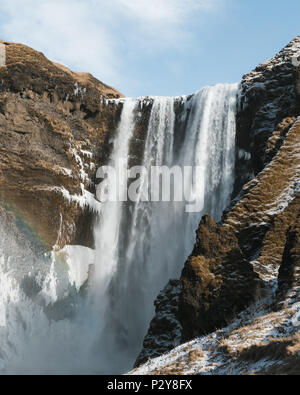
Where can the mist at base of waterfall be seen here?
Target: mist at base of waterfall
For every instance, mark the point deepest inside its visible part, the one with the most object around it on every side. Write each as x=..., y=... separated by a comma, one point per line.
x=139, y=247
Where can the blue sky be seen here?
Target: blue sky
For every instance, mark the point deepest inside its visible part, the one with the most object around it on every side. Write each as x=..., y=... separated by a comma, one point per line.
x=154, y=47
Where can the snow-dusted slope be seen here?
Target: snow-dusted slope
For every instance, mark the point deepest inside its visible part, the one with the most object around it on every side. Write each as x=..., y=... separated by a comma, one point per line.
x=257, y=342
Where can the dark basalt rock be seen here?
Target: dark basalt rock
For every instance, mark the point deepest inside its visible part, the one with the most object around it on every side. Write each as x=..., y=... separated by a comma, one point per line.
x=217, y=281
x=268, y=94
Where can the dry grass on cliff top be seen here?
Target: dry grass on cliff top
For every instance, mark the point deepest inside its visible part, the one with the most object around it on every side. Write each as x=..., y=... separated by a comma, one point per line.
x=22, y=54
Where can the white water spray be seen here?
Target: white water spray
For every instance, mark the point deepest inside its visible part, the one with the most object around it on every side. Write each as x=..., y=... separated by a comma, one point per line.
x=139, y=245
x=151, y=240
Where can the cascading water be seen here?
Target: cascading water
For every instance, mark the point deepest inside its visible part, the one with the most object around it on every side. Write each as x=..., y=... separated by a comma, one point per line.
x=140, y=244
x=153, y=239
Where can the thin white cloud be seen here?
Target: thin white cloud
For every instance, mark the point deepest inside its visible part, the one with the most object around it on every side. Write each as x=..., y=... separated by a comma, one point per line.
x=89, y=35
x=165, y=11
x=161, y=23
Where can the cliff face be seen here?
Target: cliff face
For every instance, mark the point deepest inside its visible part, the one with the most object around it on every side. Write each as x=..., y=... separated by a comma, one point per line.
x=254, y=252
x=54, y=133
x=238, y=295
x=268, y=101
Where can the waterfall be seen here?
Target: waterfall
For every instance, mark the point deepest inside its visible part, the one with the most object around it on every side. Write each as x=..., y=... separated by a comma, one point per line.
x=108, y=233
x=151, y=240
x=140, y=244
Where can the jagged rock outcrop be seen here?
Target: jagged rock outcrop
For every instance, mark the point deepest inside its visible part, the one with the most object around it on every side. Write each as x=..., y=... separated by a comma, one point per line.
x=55, y=130
x=268, y=97
x=217, y=281
x=264, y=219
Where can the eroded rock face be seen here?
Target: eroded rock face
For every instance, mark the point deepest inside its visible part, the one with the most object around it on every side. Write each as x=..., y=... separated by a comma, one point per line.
x=217, y=281
x=268, y=207
x=268, y=99
x=55, y=128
